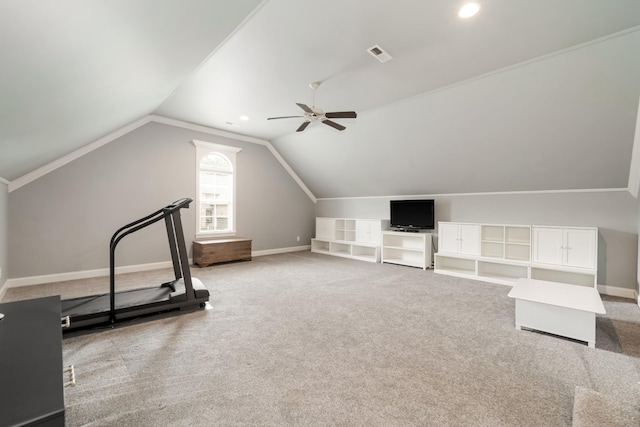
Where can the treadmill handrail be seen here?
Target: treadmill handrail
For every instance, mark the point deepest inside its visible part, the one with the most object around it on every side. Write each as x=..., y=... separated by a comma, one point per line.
x=166, y=211
x=132, y=224
x=131, y=228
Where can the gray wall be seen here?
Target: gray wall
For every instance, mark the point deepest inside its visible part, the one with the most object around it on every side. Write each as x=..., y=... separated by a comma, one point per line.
x=614, y=213
x=63, y=221
x=4, y=228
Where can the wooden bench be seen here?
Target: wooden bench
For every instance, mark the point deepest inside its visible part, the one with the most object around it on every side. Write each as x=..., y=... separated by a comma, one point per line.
x=558, y=308
x=209, y=252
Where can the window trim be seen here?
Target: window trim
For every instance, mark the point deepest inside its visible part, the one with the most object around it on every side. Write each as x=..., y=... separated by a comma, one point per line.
x=203, y=149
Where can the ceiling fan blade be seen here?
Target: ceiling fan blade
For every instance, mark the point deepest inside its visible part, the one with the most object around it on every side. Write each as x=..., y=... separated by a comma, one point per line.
x=283, y=117
x=341, y=115
x=303, y=126
x=333, y=124
x=305, y=108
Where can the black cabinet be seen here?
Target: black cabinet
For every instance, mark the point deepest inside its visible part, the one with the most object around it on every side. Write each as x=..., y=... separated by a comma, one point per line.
x=31, y=379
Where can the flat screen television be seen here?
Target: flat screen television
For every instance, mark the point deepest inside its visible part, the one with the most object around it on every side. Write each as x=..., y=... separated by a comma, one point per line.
x=412, y=215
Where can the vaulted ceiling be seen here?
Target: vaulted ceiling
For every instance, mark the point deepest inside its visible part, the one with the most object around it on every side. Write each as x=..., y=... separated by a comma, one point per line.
x=524, y=96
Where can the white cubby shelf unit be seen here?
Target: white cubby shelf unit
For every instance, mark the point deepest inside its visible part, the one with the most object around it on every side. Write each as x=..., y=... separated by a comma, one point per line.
x=404, y=248
x=503, y=253
x=349, y=237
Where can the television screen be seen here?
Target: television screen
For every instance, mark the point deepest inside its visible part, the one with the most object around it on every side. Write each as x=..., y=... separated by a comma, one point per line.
x=412, y=214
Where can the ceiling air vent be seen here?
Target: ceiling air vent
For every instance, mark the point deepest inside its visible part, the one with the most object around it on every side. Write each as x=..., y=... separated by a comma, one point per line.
x=378, y=53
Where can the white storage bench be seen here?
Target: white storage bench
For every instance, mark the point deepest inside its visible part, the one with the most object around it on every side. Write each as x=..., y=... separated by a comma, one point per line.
x=557, y=308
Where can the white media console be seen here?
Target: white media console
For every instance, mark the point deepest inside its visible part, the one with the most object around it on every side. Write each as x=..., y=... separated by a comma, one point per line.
x=371, y=240
x=502, y=253
x=411, y=249
x=498, y=253
x=349, y=237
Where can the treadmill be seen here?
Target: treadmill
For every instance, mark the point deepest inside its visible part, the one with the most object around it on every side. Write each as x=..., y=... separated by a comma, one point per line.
x=185, y=292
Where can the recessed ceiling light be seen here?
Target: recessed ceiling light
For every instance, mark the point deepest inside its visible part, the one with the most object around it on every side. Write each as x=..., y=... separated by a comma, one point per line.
x=244, y=118
x=468, y=10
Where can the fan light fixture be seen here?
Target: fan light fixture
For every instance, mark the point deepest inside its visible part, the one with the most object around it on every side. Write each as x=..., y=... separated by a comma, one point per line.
x=468, y=10
x=314, y=114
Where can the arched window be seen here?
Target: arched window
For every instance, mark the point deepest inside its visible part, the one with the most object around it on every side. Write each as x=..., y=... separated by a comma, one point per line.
x=215, y=193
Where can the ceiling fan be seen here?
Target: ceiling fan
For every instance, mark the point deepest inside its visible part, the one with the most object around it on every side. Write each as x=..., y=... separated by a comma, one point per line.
x=315, y=114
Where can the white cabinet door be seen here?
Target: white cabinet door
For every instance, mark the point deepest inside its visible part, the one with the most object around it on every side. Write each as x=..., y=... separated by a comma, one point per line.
x=457, y=238
x=448, y=238
x=368, y=231
x=469, y=239
x=569, y=247
x=547, y=244
x=580, y=248
x=325, y=228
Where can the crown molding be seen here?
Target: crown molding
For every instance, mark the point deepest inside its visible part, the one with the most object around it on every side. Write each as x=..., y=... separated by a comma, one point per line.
x=50, y=167
x=488, y=193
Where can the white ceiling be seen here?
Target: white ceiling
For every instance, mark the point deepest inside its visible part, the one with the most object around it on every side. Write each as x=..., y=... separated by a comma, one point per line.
x=457, y=94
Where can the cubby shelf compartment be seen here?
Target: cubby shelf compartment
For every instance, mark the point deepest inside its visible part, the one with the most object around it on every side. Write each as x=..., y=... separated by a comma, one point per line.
x=509, y=242
x=572, y=277
x=346, y=230
x=350, y=238
x=459, y=266
x=410, y=249
x=359, y=251
x=505, y=273
x=510, y=252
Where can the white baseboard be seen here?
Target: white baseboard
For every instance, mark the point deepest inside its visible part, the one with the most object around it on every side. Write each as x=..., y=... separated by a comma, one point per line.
x=101, y=272
x=281, y=250
x=85, y=274
x=618, y=292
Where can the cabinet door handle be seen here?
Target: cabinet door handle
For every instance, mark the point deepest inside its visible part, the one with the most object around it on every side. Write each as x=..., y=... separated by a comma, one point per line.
x=65, y=322
x=72, y=376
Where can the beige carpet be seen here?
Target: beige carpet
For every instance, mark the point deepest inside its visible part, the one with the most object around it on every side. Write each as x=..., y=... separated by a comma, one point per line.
x=593, y=409
x=305, y=339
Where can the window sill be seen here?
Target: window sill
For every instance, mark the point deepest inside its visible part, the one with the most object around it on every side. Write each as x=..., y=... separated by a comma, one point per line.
x=209, y=235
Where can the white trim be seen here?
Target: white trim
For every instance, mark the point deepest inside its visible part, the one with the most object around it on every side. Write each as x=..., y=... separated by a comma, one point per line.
x=229, y=152
x=494, y=193
x=634, y=169
x=206, y=129
x=295, y=177
x=50, y=167
x=281, y=250
x=84, y=274
x=615, y=291
x=4, y=181
x=215, y=147
x=102, y=272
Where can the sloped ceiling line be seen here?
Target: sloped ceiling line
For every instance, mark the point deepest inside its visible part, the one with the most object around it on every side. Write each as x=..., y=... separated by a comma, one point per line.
x=487, y=193
x=509, y=68
x=50, y=167
x=634, y=170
